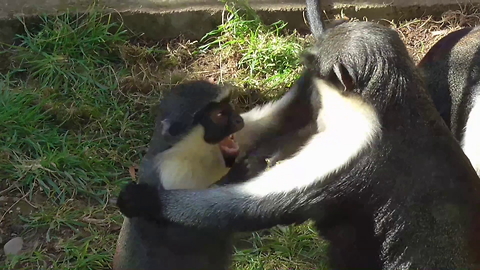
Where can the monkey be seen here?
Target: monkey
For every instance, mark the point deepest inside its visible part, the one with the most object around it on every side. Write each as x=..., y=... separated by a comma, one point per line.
x=175, y=247
x=451, y=69
x=193, y=139
x=383, y=178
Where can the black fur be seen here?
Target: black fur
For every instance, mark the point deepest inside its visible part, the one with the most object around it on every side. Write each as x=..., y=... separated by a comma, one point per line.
x=452, y=73
x=147, y=245
x=215, y=132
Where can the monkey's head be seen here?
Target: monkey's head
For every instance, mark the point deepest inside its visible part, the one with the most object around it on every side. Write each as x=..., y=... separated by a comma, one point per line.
x=200, y=104
x=365, y=59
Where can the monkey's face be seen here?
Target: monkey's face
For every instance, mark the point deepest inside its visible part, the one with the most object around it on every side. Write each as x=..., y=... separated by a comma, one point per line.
x=220, y=122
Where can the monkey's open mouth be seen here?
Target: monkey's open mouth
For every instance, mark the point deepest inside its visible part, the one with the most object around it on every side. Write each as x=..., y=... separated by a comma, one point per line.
x=230, y=150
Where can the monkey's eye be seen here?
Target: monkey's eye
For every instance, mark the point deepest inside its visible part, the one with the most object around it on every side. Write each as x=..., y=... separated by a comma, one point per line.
x=220, y=117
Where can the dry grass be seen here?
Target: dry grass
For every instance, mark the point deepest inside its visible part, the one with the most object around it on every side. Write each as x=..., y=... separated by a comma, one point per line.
x=419, y=35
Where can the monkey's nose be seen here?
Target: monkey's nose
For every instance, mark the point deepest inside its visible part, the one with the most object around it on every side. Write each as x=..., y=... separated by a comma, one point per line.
x=239, y=123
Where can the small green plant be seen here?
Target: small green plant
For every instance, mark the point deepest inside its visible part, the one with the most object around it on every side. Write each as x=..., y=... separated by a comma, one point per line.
x=69, y=236
x=66, y=129
x=267, y=52
x=60, y=129
x=286, y=247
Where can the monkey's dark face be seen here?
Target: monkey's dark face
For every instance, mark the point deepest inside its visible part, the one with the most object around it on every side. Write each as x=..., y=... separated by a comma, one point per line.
x=220, y=122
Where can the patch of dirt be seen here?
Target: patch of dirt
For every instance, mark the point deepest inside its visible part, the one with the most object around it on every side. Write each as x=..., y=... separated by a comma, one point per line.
x=163, y=65
x=13, y=204
x=51, y=240
x=154, y=66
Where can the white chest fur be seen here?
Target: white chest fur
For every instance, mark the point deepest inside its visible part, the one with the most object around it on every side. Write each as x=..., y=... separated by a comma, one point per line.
x=347, y=125
x=191, y=164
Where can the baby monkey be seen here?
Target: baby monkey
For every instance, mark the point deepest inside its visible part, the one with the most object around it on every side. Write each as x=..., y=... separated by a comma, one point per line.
x=192, y=147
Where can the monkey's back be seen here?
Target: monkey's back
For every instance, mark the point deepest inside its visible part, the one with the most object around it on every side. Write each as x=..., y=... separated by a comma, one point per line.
x=452, y=75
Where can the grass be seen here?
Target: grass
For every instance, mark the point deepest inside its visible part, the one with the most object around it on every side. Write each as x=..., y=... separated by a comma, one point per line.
x=267, y=58
x=77, y=115
x=73, y=58
x=292, y=247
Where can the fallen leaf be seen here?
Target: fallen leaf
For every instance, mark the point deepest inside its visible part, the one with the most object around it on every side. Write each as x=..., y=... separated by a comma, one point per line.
x=133, y=171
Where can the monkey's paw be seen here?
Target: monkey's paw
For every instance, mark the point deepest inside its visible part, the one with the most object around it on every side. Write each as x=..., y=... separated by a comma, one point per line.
x=139, y=200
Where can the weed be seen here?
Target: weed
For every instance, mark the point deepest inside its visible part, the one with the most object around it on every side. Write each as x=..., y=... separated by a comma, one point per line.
x=66, y=130
x=83, y=242
x=291, y=247
x=268, y=54
x=72, y=52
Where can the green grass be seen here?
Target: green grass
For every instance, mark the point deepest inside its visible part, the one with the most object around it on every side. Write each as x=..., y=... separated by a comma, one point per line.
x=292, y=247
x=71, y=53
x=267, y=56
x=72, y=59
x=68, y=238
x=76, y=114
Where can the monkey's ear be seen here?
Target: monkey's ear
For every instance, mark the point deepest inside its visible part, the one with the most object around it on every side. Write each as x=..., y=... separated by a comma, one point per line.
x=343, y=76
x=172, y=128
x=165, y=125
x=309, y=58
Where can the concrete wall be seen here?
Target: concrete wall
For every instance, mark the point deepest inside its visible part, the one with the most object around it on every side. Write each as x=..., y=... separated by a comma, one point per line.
x=9, y=8
x=160, y=19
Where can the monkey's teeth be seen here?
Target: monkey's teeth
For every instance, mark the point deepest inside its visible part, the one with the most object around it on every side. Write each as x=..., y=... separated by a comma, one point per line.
x=229, y=147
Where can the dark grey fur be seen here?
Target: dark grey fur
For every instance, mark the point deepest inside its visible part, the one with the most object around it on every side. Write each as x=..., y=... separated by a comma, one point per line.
x=316, y=23
x=452, y=74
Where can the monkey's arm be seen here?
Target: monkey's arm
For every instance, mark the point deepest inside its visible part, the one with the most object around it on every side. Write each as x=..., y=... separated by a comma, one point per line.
x=215, y=208
x=281, y=195
x=292, y=112
x=246, y=168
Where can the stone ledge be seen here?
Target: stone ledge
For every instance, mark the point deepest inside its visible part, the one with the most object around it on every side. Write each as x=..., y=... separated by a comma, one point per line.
x=163, y=19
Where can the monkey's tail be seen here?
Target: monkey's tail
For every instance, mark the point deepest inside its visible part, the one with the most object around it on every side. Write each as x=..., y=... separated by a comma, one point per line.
x=314, y=16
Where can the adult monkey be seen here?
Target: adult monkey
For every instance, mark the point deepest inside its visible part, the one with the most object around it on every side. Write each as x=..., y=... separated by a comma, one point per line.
x=184, y=154
x=383, y=178
x=452, y=73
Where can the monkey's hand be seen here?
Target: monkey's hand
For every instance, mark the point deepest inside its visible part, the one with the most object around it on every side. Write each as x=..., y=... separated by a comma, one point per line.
x=244, y=169
x=139, y=200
